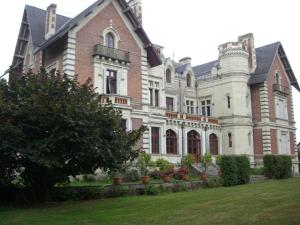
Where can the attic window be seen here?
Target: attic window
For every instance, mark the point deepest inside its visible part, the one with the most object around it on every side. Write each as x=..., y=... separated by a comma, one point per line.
x=110, y=40
x=277, y=78
x=188, y=80
x=168, y=76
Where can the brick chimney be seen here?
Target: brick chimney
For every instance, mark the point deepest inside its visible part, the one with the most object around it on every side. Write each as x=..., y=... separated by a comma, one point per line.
x=50, y=27
x=136, y=6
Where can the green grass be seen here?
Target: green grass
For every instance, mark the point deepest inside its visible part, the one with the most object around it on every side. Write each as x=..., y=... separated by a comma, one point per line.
x=273, y=202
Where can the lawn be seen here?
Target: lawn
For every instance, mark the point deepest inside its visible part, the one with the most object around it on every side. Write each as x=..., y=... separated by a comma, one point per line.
x=272, y=202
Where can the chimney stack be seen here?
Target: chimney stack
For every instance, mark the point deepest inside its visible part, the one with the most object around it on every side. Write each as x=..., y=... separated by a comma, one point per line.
x=50, y=27
x=136, y=6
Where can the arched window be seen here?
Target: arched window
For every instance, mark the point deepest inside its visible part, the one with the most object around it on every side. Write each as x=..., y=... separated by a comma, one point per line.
x=168, y=76
x=213, y=144
x=277, y=78
x=171, y=142
x=110, y=40
x=194, y=144
x=188, y=80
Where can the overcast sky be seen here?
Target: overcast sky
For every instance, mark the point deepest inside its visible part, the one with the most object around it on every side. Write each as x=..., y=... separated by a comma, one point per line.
x=187, y=28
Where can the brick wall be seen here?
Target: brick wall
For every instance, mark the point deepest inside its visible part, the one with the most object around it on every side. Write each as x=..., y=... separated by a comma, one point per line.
x=292, y=143
x=258, y=143
x=90, y=35
x=277, y=66
x=274, y=146
x=255, y=101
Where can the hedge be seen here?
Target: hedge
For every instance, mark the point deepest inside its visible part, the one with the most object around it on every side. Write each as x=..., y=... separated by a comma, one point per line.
x=278, y=166
x=229, y=170
x=235, y=169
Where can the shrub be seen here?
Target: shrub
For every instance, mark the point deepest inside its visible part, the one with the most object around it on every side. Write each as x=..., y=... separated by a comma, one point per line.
x=229, y=170
x=257, y=171
x=152, y=190
x=155, y=174
x=243, y=167
x=131, y=175
x=165, y=167
x=116, y=191
x=188, y=160
x=278, y=166
x=214, y=182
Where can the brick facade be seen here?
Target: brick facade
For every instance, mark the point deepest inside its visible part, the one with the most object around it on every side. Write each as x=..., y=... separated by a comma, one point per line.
x=274, y=145
x=255, y=102
x=258, y=143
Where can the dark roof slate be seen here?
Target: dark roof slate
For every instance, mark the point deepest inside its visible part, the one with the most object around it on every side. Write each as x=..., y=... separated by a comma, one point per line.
x=264, y=58
x=36, y=19
x=204, y=68
x=180, y=68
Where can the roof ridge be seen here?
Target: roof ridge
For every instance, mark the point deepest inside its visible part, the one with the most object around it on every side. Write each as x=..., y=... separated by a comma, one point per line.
x=26, y=5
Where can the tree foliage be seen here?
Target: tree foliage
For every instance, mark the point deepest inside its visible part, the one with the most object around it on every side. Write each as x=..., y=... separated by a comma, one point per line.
x=51, y=127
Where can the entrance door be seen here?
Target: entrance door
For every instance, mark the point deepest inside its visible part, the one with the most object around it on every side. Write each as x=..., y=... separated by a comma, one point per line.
x=194, y=144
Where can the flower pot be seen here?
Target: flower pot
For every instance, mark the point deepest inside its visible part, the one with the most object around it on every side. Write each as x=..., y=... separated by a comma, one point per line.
x=145, y=179
x=117, y=180
x=185, y=177
x=166, y=178
x=203, y=176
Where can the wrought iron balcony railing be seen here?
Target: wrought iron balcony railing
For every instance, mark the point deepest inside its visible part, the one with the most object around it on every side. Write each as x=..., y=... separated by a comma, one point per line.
x=281, y=89
x=112, y=53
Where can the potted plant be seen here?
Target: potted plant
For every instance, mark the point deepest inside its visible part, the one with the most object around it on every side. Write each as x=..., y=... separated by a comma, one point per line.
x=183, y=172
x=117, y=177
x=205, y=161
x=166, y=169
x=144, y=162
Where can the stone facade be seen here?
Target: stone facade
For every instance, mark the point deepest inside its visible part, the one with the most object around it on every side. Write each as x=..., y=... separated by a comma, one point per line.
x=214, y=107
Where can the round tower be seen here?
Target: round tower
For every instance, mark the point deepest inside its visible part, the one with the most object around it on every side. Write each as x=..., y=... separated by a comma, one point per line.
x=233, y=58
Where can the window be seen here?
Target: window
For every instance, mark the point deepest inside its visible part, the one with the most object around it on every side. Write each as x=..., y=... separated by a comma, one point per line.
x=151, y=96
x=168, y=76
x=229, y=140
x=170, y=104
x=155, y=140
x=110, y=40
x=156, y=98
x=188, y=80
x=213, y=144
x=284, y=145
x=123, y=125
x=206, y=107
x=281, y=109
x=171, y=142
x=228, y=102
x=190, y=109
x=154, y=94
x=111, y=82
x=277, y=78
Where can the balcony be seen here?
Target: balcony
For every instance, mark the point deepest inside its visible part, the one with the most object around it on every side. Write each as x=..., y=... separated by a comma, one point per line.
x=281, y=89
x=112, y=53
x=182, y=116
x=116, y=100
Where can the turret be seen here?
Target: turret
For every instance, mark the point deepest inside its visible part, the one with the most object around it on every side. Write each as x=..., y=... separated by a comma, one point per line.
x=233, y=58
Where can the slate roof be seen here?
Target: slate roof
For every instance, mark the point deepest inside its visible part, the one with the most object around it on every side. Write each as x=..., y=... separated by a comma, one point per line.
x=264, y=58
x=180, y=68
x=36, y=19
x=204, y=68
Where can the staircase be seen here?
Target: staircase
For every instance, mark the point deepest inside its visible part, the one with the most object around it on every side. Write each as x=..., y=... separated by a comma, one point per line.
x=212, y=170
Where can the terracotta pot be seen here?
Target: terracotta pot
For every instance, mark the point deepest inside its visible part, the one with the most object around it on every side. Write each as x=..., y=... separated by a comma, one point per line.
x=117, y=180
x=203, y=176
x=185, y=177
x=166, y=178
x=145, y=179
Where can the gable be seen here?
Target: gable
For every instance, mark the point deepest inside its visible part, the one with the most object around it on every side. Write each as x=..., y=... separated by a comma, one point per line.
x=153, y=58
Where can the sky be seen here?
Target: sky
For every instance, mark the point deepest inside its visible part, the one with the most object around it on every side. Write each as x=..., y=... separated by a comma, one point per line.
x=187, y=28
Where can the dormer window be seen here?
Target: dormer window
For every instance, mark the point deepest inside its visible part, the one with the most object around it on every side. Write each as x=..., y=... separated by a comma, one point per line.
x=188, y=80
x=110, y=40
x=168, y=76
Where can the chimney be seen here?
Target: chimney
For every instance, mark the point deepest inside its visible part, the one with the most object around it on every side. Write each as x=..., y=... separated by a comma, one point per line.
x=50, y=27
x=248, y=44
x=136, y=6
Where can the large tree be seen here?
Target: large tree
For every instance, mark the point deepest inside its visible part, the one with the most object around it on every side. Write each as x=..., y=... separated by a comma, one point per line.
x=52, y=127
